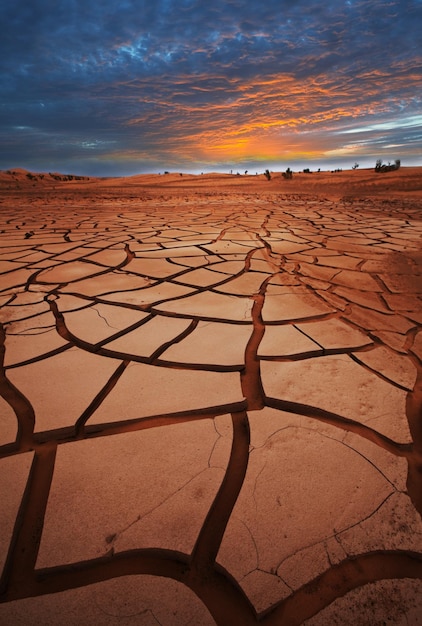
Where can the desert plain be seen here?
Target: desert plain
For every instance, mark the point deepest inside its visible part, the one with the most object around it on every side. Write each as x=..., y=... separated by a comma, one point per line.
x=211, y=399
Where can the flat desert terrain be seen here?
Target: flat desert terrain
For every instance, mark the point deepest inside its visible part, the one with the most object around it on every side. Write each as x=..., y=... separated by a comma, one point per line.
x=211, y=399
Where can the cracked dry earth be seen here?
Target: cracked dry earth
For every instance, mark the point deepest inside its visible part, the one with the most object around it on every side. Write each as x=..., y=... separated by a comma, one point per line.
x=211, y=411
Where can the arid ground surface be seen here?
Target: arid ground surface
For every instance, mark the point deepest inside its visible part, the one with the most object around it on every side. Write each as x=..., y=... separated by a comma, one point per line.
x=211, y=399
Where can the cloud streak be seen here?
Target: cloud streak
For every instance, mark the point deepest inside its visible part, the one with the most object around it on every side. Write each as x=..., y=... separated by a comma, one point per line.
x=106, y=88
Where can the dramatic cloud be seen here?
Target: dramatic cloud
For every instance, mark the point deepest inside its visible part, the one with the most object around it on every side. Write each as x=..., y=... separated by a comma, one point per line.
x=103, y=87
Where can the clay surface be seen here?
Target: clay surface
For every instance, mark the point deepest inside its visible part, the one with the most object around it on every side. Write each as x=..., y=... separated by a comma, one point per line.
x=211, y=401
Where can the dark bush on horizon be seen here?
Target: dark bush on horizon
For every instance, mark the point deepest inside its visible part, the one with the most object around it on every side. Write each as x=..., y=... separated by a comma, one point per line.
x=379, y=167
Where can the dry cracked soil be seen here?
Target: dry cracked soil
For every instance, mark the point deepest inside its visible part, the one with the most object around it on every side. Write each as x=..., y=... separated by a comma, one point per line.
x=211, y=409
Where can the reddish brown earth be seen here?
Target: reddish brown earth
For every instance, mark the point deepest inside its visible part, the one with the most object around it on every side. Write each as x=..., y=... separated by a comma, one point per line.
x=211, y=399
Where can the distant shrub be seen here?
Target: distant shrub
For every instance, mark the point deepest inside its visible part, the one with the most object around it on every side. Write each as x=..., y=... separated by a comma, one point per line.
x=379, y=167
x=288, y=174
x=267, y=174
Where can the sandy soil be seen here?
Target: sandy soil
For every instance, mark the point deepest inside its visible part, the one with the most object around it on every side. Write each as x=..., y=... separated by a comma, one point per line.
x=211, y=399
x=405, y=182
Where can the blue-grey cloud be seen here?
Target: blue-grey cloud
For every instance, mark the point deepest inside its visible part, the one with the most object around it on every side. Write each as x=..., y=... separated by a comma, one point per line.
x=101, y=85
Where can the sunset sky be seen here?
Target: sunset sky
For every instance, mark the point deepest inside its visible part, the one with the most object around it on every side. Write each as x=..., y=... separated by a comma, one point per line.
x=101, y=87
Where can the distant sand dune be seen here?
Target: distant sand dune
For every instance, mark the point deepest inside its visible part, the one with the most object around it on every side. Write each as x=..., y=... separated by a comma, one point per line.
x=364, y=182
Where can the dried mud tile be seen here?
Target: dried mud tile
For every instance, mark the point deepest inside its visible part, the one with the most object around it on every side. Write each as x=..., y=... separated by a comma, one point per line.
x=227, y=268
x=394, y=468
x=138, y=489
x=354, y=239
x=145, y=390
x=342, y=247
x=4, y=299
x=57, y=247
x=107, y=283
x=177, y=521
x=268, y=421
x=283, y=278
x=401, y=283
x=72, y=256
x=333, y=334
x=403, y=302
x=68, y=272
x=397, y=368
x=239, y=256
x=146, y=339
x=264, y=589
x=325, y=254
x=209, y=305
x=395, y=341
x=13, y=251
x=221, y=450
x=149, y=295
x=67, y=302
x=315, y=284
x=30, y=325
x=238, y=236
x=211, y=343
x=174, y=233
x=239, y=552
x=26, y=315
x=370, y=320
x=154, y=268
x=338, y=261
x=23, y=347
x=271, y=504
x=163, y=253
x=24, y=298
x=356, y=280
x=197, y=241
x=292, y=307
x=14, y=472
x=417, y=346
x=397, y=601
x=304, y=565
x=286, y=341
x=201, y=277
x=62, y=386
x=247, y=284
x=286, y=247
x=144, y=247
x=336, y=383
x=13, y=280
x=364, y=298
x=317, y=271
x=109, y=258
x=100, y=321
x=228, y=247
x=385, y=261
x=10, y=266
x=396, y=525
x=332, y=299
x=183, y=262
x=267, y=267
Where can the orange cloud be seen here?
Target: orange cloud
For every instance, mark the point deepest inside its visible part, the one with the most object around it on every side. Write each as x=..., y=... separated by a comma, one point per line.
x=274, y=118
